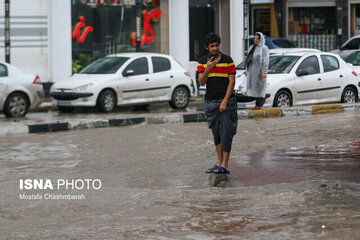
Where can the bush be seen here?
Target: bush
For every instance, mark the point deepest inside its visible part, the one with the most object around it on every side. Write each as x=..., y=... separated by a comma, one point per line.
x=82, y=62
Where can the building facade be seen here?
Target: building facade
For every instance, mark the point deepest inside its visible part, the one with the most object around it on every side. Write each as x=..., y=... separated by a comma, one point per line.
x=55, y=38
x=174, y=27
x=321, y=24
x=39, y=35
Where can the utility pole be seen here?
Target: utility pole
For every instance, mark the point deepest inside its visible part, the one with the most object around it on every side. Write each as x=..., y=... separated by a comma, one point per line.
x=7, y=31
x=138, y=25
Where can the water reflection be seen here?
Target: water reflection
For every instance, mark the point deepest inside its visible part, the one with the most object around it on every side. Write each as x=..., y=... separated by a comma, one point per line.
x=340, y=162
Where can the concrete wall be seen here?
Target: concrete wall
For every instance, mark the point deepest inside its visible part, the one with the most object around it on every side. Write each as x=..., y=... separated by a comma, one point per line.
x=179, y=31
x=236, y=30
x=28, y=36
x=60, y=59
x=40, y=37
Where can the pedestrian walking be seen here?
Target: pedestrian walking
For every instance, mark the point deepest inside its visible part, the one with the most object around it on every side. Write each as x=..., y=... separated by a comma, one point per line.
x=257, y=62
x=217, y=71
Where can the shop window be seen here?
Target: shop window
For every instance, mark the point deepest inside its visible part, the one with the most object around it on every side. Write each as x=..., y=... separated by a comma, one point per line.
x=3, y=70
x=100, y=28
x=139, y=66
x=357, y=20
x=262, y=21
x=313, y=27
x=310, y=65
x=203, y=17
x=160, y=64
x=330, y=63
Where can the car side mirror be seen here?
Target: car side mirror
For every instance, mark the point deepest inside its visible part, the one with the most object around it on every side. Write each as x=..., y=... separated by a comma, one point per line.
x=302, y=72
x=341, y=48
x=128, y=73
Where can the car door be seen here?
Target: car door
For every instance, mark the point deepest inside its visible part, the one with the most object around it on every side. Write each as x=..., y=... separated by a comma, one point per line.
x=135, y=82
x=162, y=77
x=4, y=78
x=308, y=84
x=332, y=77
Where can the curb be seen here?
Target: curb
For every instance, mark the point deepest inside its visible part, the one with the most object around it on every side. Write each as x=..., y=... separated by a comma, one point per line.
x=19, y=128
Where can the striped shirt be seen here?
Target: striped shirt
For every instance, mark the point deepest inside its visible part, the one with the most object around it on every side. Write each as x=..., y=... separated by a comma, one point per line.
x=218, y=78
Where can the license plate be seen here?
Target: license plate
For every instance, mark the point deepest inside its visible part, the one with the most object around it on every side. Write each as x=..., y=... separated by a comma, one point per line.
x=63, y=103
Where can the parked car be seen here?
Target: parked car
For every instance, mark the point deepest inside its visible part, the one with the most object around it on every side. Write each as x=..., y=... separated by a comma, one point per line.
x=350, y=46
x=275, y=42
x=126, y=79
x=354, y=60
x=300, y=78
x=240, y=69
x=18, y=91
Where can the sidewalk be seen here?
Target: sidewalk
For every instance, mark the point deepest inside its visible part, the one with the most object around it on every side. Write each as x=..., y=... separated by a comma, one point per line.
x=16, y=128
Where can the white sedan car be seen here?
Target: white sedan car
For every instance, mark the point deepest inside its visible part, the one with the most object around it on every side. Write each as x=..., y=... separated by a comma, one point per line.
x=18, y=91
x=300, y=78
x=126, y=79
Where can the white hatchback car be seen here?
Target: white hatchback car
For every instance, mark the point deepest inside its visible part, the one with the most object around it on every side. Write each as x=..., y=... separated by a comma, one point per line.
x=240, y=69
x=308, y=78
x=18, y=91
x=126, y=79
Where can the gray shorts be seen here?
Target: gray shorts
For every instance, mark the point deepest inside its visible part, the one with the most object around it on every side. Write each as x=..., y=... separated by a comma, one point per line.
x=222, y=124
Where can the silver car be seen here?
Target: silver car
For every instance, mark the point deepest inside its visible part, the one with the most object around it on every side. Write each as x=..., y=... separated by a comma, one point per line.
x=350, y=46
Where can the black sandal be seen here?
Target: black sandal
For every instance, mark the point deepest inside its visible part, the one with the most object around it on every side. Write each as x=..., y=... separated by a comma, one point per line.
x=211, y=170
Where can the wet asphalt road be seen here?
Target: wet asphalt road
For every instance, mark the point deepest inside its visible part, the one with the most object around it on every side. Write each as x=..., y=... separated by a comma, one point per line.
x=291, y=178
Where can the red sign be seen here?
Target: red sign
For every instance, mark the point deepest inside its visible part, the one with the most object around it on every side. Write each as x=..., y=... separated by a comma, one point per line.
x=155, y=16
x=76, y=32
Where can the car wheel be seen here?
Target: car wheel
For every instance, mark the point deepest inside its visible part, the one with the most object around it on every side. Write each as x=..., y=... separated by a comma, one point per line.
x=349, y=95
x=16, y=105
x=66, y=109
x=283, y=99
x=180, y=98
x=106, y=101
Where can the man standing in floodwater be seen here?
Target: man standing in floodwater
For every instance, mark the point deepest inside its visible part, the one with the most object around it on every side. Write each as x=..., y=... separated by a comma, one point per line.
x=217, y=71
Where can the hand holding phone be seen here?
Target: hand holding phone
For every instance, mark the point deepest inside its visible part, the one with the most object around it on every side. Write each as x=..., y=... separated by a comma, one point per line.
x=211, y=61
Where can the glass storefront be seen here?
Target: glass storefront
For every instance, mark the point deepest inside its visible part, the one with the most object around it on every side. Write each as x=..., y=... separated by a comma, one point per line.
x=102, y=27
x=355, y=19
x=313, y=27
x=204, y=14
x=261, y=20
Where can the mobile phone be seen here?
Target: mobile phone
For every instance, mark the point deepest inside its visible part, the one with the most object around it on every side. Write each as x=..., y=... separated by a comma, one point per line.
x=211, y=56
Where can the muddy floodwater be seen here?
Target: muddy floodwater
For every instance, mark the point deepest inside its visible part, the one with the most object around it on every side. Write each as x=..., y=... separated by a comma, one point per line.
x=291, y=178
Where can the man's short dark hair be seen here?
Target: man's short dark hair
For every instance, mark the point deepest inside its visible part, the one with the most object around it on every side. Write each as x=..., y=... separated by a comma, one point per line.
x=211, y=38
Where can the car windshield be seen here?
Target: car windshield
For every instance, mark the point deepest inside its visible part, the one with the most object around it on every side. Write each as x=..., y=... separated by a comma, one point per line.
x=282, y=64
x=241, y=66
x=106, y=65
x=283, y=43
x=353, y=58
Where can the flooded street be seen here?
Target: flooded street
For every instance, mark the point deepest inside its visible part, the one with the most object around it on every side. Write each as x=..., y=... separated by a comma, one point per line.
x=291, y=178
x=53, y=114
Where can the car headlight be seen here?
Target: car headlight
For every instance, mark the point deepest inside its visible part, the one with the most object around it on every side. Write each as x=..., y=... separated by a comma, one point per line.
x=83, y=87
